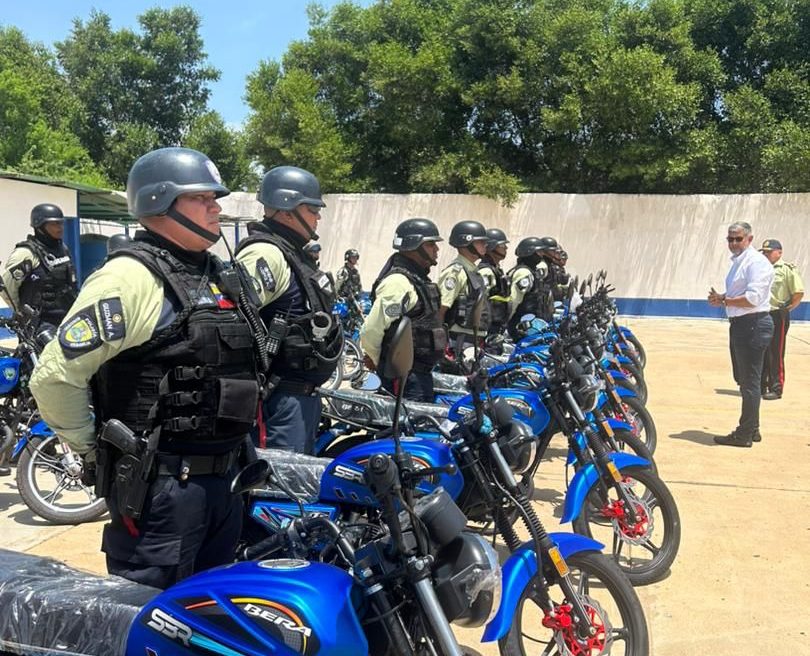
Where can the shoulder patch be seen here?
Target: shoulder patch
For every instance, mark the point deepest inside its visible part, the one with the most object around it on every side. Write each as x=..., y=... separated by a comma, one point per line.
x=266, y=275
x=113, y=326
x=80, y=334
x=394, y=310
x=524, y=283
x=21, y=270
x=449, y=282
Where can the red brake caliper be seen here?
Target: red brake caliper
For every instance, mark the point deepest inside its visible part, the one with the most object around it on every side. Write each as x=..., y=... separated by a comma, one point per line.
x=563, y=622
x=615, y=510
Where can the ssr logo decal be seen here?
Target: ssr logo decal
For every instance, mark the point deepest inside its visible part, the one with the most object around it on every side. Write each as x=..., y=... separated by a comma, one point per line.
x=281, y=622
x=167, y=625
x=347, y=473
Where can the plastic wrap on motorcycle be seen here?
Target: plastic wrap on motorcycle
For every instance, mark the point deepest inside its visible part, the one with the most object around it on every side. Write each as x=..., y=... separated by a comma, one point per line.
x=46, y=605
x=370, y=409
x=301, y=474
x=444, y=383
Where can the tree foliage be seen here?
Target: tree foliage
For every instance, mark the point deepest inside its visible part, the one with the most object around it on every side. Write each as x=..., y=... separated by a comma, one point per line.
x=661, y=96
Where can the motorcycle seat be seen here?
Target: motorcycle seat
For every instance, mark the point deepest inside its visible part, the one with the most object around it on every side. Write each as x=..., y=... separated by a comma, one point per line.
x=300, y=473
x=373, y=410
x=48, y=607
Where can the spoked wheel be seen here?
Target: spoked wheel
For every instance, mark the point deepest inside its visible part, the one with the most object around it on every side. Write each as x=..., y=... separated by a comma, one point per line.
x=641, y=420
x=636, y=378
x=335, y=380
x=351, y=361
x=645, y=546
x=49, y=481
x=641, y=354
x=544, y=622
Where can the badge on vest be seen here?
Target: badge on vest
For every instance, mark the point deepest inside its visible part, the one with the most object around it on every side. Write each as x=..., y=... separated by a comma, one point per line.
x=266, y=275
x=80, y=334
x=450, y=283
x=394, y=311
x=111, y=313
x=524, y=283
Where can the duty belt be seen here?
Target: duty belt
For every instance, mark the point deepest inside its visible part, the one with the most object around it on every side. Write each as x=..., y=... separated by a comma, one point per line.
x=184, y=466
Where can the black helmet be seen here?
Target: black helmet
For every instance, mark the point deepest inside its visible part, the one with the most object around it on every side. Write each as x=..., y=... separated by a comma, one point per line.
x=287, y=187
x=412, y=233
x=312, y=247
x=352, y=252
x=159, y=177
x=118, y=241
x=528, y=246
x=548, y=244
x=465, y=233
x=496, y=237
x=45, y=213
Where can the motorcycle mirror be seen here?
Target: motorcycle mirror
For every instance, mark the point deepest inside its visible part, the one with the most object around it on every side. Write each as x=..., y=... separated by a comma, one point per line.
x=370, y=382
x=582, y=288
x=572, y=288
x=252, y=475
x=575, y=282
x=590, y=279
x=399, y=358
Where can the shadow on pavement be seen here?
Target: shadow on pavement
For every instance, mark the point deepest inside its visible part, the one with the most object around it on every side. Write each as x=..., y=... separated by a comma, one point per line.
x=552, y=496
x=727, y=392
x=8, y=499
x=555, y=452
x=696, y=436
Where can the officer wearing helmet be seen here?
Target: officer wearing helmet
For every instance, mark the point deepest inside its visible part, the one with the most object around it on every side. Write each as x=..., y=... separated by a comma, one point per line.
x=460, y=282
x=496, y=281
x=159, y=335
x=558, y=278
x=39, y=271
x=348, y=276
x=529, y=284
x=403, y=285
x=296, y=300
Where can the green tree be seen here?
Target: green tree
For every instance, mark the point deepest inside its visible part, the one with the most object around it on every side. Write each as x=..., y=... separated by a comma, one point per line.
x=226, y=148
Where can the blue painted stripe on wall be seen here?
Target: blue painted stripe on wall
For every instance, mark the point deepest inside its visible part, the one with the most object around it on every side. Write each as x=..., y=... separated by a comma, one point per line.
x=685, y=307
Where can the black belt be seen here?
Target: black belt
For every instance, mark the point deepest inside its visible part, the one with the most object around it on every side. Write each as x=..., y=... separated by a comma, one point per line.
x=299, y=388
x=752, y=315
x=185, y=466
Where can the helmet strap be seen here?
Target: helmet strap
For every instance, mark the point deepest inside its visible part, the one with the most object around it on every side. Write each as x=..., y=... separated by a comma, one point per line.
x=422, y=254
x=312, y=234
x=188, y=224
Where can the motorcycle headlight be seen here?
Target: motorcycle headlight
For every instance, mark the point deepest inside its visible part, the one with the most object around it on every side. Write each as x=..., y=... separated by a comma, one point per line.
x=467, y=579
x=519, y=446
x=587, y=391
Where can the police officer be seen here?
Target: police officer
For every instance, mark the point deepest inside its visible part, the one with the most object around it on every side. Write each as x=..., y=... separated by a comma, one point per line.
x=460, y=282
x=296, y=301
x=313, y=249
x=495, y=279
x=348, y=276
x=786, y=294
x=405, y=276
x=529, y=283
x=558, y=278
x=159, y=333
x=39, y=271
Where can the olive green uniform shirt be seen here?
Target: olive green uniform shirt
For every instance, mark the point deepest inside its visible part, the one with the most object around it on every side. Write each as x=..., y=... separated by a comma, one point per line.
x=14, y=280
x=118, y=308
x=452, y=283
x=521, y=282
x=386, y=309
x=786, y=283
x=270, y=272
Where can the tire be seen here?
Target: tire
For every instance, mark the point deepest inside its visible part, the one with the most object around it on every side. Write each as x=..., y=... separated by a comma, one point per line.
x=654, y=500
x=641, y=354
x=642, y=421
x=351, y=362
x=629, y=443
x=626, y=384
x=612, y=592
x=335, y=380
x=636, y=378
x=73, y=502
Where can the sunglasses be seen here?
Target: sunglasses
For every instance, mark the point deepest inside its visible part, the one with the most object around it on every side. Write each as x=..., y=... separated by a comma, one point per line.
x=315, y=209
x=732, y=240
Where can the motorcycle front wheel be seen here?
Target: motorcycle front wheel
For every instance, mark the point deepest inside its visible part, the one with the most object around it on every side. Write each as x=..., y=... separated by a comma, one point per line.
x=646, y=546
x=615, y=612
x=52, y=488
x=641, y=420
x=351, y=362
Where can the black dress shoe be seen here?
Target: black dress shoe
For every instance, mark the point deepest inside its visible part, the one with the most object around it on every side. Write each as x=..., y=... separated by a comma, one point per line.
x=5, y=471
x=771, y=396
x=756, y=437
x=733, y=439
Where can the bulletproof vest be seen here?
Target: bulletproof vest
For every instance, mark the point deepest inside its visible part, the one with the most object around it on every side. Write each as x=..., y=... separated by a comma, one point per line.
x=460, y=313
x=429, y=335
x=350, y=285
x=195, y=378
x=558, y=281
x=309, y=352
x=534, y=299
x=51, y=286
x=499, y=310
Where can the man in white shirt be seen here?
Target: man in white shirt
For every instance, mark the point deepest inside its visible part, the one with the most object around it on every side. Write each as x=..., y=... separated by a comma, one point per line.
x=747, y=303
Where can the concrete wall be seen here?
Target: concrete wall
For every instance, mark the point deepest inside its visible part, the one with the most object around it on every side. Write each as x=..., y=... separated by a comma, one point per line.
x=662, y=253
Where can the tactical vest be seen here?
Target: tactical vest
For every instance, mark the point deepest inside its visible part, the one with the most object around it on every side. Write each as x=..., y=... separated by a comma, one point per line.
x=303, y=355
x=533, y=301
x=51, y=286
x=460, y=313
x=196, y=376
x=499, y=309
x=429, y=336
x=558, y=281
x=350, y=285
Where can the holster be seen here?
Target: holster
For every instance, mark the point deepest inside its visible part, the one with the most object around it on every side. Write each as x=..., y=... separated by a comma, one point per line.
x=132, y=485
x=106, y=456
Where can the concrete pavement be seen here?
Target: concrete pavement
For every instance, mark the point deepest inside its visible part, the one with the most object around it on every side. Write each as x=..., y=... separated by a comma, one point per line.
x=741, y=582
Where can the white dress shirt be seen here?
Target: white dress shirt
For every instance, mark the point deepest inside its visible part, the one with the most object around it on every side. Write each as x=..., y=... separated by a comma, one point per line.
x=751, y=275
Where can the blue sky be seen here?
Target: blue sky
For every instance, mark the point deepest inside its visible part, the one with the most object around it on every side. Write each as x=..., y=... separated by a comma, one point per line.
x=237, y=34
